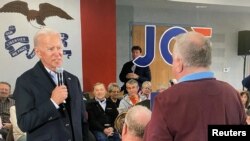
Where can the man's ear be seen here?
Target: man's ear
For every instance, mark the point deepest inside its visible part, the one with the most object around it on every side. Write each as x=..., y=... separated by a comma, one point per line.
x=37, y=52
x=124, y=129
x=179, y=65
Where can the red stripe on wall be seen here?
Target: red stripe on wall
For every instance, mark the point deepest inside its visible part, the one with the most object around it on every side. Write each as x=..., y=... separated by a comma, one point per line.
x=98, y=20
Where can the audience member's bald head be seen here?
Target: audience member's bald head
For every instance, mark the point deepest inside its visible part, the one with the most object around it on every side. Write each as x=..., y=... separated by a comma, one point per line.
x=136, y=120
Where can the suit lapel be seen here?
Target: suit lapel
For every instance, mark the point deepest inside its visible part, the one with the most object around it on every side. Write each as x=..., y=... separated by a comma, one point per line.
x=100, y=107
x=42, y=77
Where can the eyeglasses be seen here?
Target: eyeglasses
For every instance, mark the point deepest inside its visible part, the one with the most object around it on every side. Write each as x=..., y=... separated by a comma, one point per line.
x=115, y=91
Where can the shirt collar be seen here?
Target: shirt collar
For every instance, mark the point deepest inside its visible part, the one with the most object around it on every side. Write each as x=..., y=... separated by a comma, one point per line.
x=101, y=101
x=3, y=100
x=50, y=71
x=197, y=76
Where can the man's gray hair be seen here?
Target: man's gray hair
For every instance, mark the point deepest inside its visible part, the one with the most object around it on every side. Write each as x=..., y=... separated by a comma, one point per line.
x=194, y=49
x=137, y=119
x=132, y=81
x=44, y=31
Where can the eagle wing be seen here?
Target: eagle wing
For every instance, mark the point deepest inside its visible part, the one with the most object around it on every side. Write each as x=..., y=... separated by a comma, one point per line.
x=47, y=10
x=16, y=7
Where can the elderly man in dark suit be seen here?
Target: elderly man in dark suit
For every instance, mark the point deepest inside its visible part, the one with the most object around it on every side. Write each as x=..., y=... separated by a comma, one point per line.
x=45, y=110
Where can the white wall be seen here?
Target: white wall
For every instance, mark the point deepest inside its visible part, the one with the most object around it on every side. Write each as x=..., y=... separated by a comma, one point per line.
x=12, y=67
x=225, y=35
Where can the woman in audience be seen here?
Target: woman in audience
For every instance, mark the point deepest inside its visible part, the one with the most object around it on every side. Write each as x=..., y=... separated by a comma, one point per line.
x=114, y=91
x=146, y=89
x=244, y=95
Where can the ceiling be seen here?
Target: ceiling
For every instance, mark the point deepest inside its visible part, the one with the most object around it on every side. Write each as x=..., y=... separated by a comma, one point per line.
x=242, y=6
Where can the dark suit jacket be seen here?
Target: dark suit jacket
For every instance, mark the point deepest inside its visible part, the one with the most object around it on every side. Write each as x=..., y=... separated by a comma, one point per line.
x=98, y=117
x=37, y=115
x=143, y=72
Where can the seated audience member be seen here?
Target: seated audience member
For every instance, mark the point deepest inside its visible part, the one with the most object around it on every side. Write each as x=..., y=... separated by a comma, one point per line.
x=132, y=97
x=114, y=91
x=146, y=89
x=244, y=95
x=248, y=117
x=101, y=114
x=135, y=122
x=17, y=133
x=5, y=104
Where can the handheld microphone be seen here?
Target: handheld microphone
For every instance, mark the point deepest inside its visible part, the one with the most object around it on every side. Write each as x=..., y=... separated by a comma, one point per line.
x=59, y=72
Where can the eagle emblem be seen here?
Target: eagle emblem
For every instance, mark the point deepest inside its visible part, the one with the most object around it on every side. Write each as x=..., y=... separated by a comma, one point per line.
x=45, y=10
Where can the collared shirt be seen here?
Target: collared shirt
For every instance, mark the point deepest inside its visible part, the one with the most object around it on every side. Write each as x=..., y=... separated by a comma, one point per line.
x=54, y=74
x=197, y=76
x=102, y=103
x=145, y=95
x=5, y=109
x=48, y=70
